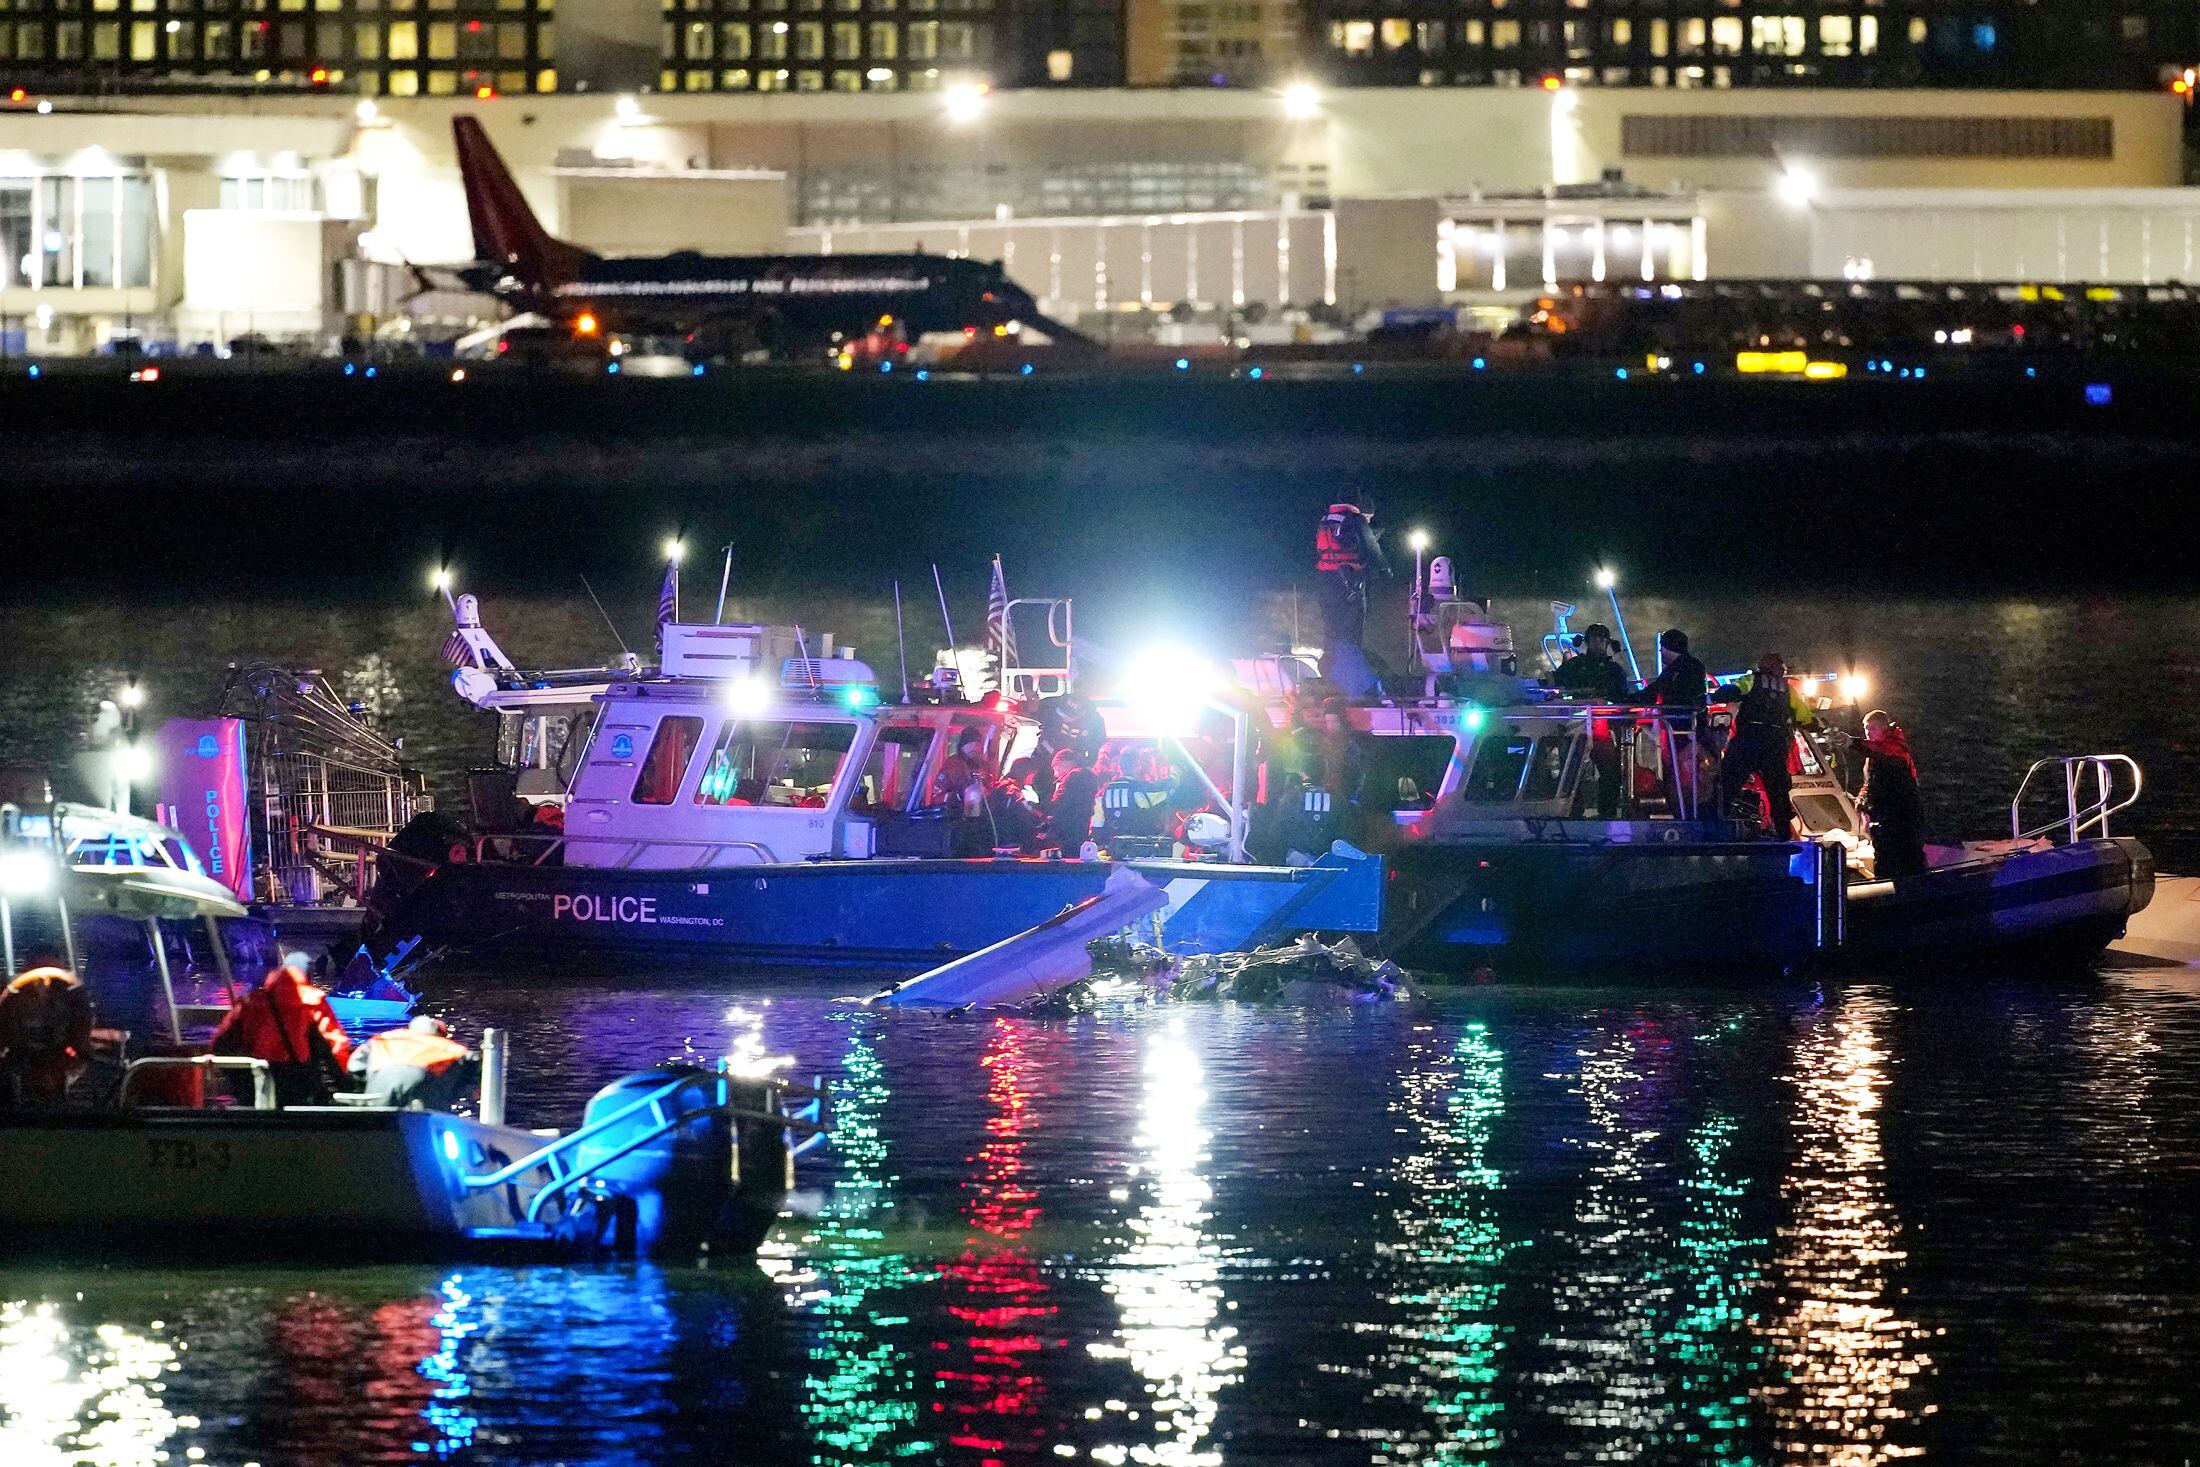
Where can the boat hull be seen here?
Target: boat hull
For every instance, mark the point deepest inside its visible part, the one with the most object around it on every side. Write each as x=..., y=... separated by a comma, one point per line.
x=889, y=915
x=2061, y=902
x=262, y=1182
x=1704, y=906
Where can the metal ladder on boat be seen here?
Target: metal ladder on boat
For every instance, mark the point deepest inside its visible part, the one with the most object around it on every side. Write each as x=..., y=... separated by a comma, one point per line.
x=2092, y=791
x=561, y=1170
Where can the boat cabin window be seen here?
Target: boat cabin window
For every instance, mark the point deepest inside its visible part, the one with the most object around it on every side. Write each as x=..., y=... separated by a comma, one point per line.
x=1405, y=773
x=890, y=774
x=1515, y=765
x=667, y=760
x=770, y=763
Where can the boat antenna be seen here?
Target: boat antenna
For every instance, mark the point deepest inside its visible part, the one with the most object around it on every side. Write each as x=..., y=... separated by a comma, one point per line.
x=901, y=644
x=725, y=577
x=607, y=621
x=802, y=645
x=945, y=620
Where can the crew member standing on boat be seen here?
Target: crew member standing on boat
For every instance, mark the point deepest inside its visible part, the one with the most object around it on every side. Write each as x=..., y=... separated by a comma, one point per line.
x=1681, y=682
x=1765, y=721
x=1347, y=549
x=419, y=1065
x=1892, y=798
x=287, y=1022
x=45, y=1034
x=1596, y=676
x=1069, y=813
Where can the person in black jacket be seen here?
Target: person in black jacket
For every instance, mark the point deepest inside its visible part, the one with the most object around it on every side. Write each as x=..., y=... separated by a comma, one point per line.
x=1892, y=799
x=1682, y=681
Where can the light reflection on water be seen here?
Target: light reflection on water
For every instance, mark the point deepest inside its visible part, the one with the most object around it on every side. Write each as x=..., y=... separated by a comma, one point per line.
x=1849, y=1357
x=1167, y=1282
x=1529, y=1226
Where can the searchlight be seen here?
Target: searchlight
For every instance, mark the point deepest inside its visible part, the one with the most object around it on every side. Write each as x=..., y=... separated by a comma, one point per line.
x=1170, y=686
x=133, y=764
x=747, y=696
x=1855, y=686
x=25, y=873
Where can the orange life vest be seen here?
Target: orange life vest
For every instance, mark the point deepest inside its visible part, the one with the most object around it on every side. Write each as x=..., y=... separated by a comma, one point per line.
x=1341, y=542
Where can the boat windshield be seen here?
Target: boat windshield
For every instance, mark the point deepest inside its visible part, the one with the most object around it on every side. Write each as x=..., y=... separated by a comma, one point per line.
x=772, y=763
x=890, y=775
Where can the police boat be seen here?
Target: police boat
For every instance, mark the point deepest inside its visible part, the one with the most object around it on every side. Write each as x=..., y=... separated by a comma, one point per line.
x=753, y=798
x=1477, y=788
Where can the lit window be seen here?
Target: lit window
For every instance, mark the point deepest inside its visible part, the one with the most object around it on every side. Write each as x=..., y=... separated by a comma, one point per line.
x=1396, y=34
x=404, y=41
x=1836, y=35
x=1504, y=35
x=1726, y=35
x=1060, y=65
x=885, y=42
x=1354, y=37
x=847, y=46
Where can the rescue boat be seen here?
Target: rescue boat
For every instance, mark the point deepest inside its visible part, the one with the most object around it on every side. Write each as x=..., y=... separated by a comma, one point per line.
x=665, y=1162
x=1477, y=790
x=747, y=801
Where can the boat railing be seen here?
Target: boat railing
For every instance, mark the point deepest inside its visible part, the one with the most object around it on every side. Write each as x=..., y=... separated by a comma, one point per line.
x=263, y=1077
x=546, y=845
x=2093, y=789
x=1022, y=680
x=559, y=1162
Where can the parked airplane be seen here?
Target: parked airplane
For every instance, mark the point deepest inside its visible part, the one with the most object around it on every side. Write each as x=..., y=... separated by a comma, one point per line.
x=784, y=304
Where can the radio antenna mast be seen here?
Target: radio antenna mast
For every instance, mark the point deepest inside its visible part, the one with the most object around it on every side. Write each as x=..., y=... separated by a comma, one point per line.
x=607, y=621
x=901, y=644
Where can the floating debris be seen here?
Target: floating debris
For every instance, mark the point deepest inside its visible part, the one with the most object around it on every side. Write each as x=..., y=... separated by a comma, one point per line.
x=1307, y=971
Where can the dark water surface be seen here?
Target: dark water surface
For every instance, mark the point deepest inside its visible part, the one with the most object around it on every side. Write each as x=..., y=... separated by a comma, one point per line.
x=1950, y=1221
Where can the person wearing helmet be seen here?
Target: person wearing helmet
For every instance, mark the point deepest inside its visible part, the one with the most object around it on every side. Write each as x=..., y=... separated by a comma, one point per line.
x=1765, y=719
x=419, y=1066
x=1595, y=676
x=1347, y=549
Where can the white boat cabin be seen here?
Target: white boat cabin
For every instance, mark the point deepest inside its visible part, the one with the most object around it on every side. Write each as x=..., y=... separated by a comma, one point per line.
x=695, y=775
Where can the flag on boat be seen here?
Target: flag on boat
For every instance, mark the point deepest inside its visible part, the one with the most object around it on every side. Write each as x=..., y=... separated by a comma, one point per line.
x=1000, y=633
x=457, y=651
x=668, y=597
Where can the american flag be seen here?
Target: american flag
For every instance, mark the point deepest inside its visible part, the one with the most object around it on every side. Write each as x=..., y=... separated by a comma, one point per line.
x=668, y=599
x=1000, y=633
x=456, y=652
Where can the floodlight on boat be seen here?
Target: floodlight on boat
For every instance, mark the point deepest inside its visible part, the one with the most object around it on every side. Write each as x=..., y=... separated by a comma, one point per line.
x=1855, y=686
x=133, y=763
x=439, y=579
x=25, y=872
x=748, y=697
x=675, y=549
x=1606, y=578
x=1417, y=541
x=132, y=695
x=1170, y=686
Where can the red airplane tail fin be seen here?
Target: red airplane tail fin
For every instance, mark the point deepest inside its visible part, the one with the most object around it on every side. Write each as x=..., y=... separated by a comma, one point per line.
x=506, y=231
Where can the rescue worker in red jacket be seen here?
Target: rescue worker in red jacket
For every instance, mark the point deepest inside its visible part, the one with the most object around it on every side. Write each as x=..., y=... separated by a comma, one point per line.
x=45, y=1034
x=1347, y=550
x=287, y=1021
x=419, y=1065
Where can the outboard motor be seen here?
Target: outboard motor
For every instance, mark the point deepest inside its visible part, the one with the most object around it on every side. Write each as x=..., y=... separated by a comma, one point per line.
x=714, y=1181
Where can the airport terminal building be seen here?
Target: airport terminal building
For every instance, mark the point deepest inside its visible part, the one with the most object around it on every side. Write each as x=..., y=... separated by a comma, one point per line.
x=274, y=170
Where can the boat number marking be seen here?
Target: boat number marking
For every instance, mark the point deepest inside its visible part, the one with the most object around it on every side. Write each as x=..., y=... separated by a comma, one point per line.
x=169, y=1154
x=588, y=908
